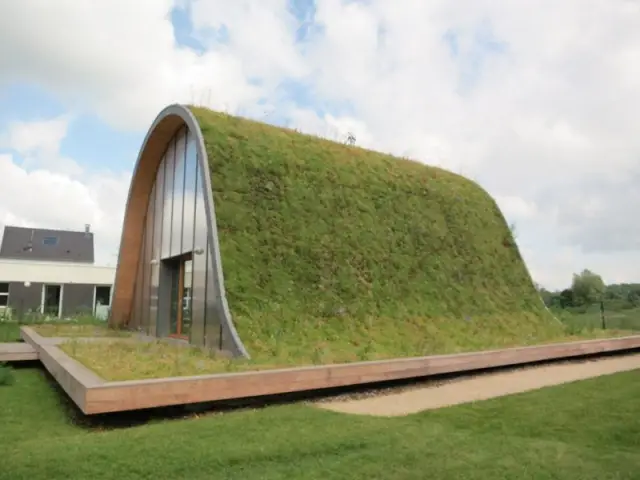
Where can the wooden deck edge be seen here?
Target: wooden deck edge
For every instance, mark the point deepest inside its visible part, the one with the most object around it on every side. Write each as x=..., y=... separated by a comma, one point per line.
x=74, y=378
x=30, y=336
x=139, y=394
x=17, y=352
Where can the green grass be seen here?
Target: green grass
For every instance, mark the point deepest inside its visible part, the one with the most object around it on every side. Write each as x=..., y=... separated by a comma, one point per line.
x=9, y=332
x=127, y=359
x=78, y=325
x=627, y=319
x=6, y=374
x=585, y=430
x=335, y=253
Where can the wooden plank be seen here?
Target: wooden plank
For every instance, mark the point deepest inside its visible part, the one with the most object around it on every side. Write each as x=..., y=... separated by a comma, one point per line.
x=17, y=352
x=74, y=378
x=93, y=395
x=133, y=395
x=30, y=336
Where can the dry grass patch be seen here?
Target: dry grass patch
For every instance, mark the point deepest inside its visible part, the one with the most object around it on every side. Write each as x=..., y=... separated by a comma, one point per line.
x=129, y=359
x=78, y=330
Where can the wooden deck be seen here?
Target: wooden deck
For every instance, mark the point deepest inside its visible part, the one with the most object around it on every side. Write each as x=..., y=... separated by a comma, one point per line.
x=17, y=352
x=94, y=395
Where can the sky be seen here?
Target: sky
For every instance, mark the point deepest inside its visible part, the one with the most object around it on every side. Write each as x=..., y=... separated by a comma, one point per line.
x=536, y=100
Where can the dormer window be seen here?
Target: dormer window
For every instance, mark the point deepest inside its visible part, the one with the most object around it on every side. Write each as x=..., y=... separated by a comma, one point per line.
x=50, y=241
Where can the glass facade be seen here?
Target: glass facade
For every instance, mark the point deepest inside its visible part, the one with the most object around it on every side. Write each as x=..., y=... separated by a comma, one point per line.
x=171, y=294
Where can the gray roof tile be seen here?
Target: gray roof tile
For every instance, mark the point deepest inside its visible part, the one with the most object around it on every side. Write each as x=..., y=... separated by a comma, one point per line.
x=45, y=244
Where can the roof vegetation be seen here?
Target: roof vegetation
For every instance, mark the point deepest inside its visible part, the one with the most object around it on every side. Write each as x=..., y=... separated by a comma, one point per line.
x=335, y=253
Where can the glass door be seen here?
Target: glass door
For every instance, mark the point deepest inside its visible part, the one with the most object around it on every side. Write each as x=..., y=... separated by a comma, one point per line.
x=180, y=315
x=185, y=303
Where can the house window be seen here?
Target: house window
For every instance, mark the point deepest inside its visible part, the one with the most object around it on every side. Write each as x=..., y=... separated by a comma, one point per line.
x=4, y=294
x=103, y=295
x=50, y=241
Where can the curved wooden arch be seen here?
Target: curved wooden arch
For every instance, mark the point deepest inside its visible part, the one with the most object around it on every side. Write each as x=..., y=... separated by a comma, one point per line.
x=164, y=128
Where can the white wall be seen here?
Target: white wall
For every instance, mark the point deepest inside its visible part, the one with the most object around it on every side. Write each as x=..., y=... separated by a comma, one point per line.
x=55, y=272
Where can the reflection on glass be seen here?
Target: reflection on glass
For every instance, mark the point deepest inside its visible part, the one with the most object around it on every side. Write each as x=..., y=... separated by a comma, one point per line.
x=186, y=298
x=174, y=314
x=180, y=304
x=153, y=299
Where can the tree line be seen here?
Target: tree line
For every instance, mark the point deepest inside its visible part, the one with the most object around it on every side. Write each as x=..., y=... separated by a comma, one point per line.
x=588, y=288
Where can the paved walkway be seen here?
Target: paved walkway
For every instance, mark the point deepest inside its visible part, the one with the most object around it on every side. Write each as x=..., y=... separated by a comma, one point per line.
x=482, y=387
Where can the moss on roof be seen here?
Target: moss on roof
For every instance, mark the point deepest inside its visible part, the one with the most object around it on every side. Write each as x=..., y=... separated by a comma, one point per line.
x=336, y=253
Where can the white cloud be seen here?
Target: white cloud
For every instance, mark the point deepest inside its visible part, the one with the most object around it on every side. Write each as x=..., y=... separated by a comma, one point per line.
x=115, y=58
x=260, y=33
x=555, y=270
x=336, y=128
x=539, y=104
x=516, y=208
x=46, y=198
x=38, y=143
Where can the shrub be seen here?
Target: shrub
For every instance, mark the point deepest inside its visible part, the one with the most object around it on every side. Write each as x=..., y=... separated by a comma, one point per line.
x=6, y=374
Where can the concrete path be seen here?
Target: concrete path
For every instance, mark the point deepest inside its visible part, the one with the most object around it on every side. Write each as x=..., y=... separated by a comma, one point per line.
x=482, y=387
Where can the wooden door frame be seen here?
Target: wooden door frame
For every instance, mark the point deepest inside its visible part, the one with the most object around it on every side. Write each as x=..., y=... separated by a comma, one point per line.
x=182, y=259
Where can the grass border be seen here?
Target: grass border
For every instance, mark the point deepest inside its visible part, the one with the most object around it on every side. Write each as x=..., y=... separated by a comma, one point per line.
x=94, y=395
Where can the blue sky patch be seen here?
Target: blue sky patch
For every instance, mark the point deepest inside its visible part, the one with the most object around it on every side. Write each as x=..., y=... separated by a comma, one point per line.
x=25, y=102
x=89, y=141
x=183, y=29
x=96, y=146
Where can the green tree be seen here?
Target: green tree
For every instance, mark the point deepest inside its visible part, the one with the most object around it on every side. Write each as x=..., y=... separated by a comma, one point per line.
x=546, y=295
x=633, y=297
x=587, y=287
x=566, y=298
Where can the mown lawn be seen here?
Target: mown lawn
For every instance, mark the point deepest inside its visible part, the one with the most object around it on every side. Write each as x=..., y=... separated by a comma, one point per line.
x=586, y=430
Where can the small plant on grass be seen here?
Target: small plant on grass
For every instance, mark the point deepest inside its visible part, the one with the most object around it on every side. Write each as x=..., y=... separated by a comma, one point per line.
x=367, y=351
x=73, y=344
x=6, y=374
x=317, y=355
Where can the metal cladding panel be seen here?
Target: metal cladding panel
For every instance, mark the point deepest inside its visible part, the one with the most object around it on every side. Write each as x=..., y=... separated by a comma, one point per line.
x=192, y=241
x=158, y=152
x=178, y=195
x=136, y=313
x=213, y=323
x=168, y=164
x=189, y=202
x=158, y=212
x=146, y=257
